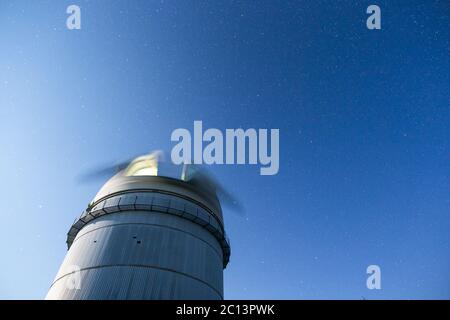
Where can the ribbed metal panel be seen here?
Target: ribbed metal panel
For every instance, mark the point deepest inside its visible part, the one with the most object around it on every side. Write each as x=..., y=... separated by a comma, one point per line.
x=145, y=237
x=133, y=283
x=155, y=202
x=142, y=255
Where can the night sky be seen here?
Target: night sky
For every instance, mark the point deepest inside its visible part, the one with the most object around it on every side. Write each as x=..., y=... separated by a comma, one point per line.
x=364, y=120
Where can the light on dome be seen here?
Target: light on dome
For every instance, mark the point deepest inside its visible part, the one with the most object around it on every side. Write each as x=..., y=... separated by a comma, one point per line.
x=151, y=171
x=143, y=166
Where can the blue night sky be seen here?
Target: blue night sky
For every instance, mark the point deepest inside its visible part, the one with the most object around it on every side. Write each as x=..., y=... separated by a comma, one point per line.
x=364, y=119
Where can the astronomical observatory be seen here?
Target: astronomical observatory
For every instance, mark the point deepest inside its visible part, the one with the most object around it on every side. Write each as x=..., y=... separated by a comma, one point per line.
x=153, y=231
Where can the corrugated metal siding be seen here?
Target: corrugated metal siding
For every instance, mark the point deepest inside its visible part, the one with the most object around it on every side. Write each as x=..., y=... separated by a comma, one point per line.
x=155, y=202
x=175, y=259
x=133, y=283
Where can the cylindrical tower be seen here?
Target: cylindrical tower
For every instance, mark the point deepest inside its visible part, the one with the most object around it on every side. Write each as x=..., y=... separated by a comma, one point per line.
x=146, y=236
